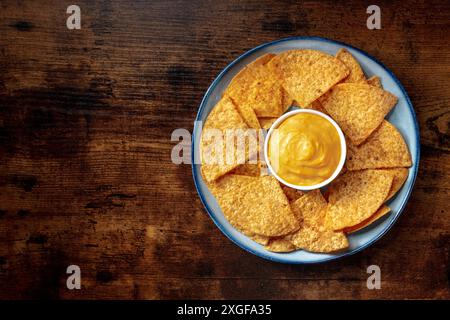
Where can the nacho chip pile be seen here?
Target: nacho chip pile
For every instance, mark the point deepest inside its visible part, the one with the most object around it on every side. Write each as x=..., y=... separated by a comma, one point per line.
x=276, y=216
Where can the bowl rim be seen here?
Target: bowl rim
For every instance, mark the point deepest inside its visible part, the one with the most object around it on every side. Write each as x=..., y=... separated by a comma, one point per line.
x=342, y=141
x=210, y=212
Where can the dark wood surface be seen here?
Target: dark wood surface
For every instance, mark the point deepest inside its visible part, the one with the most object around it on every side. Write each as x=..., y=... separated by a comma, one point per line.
x=85, y=173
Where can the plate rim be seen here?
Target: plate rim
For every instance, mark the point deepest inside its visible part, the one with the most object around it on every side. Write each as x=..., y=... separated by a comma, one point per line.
x=330, y=258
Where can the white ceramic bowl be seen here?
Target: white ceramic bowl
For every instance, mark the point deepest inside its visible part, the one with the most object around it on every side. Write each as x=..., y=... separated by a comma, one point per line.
x=341, y=160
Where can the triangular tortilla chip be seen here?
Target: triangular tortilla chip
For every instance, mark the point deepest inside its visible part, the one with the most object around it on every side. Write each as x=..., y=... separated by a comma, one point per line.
x=375, y=81
x=258, y=88
x=385, y=148
x=223, y=117
x=314, y=235
x=288, y=101
x=291, y=193
x=307, y=74
x=358, y=108
x=279, y=245
x=355, y=196
x=322, y=239
x=248, y=169
x=249, y=116
x=381, y=212
x=262, y=240
x=309, y=208
x=255, y=204
x=356, y=73
x=400, y=175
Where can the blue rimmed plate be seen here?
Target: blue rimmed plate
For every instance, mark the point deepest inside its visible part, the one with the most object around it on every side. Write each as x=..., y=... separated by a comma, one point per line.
x=403, y=117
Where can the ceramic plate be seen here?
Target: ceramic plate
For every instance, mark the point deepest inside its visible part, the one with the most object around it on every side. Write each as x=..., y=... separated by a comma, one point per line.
x=402, y=116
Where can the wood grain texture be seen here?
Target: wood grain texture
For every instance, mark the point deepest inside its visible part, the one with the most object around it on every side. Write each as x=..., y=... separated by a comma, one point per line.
x=85, y=172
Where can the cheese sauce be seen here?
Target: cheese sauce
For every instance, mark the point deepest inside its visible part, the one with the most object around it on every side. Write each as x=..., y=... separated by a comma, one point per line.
x=305, y=149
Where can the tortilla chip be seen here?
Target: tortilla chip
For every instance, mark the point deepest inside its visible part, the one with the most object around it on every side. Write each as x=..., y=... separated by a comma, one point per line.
x=355, y=196
x=224, y=116
x=249, y=116
x=256, y=87
x=266, y=123
x=262, y=240
x=288, y=101
x=400, y=176
x=260, y=61
x=385, y=148
x=307, y=74
x=255, y=204
x=375, y=81
x=314, y=235
x=377, y=215
x=291, y=193
x=309, y=208
x=248, y=169
x=356, y=73
x=320, y=240
x=358, y=108
x=280, y=245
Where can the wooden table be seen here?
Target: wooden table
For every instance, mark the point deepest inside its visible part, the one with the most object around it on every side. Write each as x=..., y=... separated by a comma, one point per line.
x=86, y=178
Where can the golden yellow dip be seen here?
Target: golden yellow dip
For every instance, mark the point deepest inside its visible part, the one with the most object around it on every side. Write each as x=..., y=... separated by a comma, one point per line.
x=305, y=149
